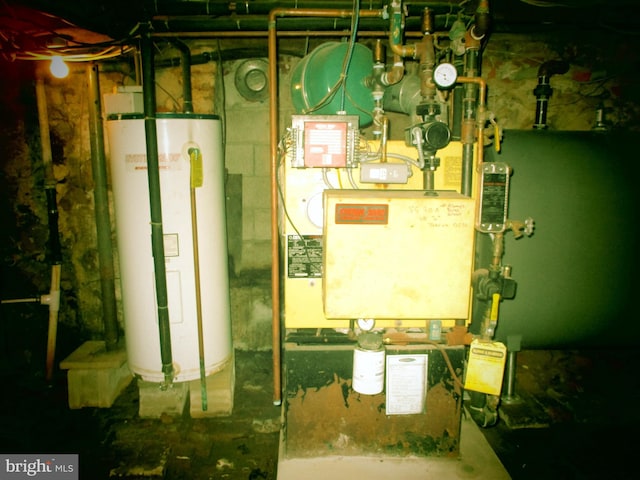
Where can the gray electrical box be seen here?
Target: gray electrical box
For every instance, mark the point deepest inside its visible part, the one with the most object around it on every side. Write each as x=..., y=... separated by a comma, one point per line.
x=384, y=172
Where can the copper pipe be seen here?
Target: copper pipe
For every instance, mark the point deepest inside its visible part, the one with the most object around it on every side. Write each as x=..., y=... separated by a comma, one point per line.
x=275, y=251
x=283, y=33
x=396, y=72
x=482, y=87
x=273, y=140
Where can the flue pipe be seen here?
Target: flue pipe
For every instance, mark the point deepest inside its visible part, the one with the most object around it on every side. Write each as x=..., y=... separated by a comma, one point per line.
x=185, y=64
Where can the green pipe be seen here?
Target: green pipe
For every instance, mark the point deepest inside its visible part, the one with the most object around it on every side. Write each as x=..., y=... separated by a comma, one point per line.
x=396, y=23
x=469, y=121
x=157, y=235
x=101, y=201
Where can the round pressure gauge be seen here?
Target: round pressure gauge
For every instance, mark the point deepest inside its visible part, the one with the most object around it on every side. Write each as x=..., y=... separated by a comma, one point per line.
x=445, y=75
x=366, y=324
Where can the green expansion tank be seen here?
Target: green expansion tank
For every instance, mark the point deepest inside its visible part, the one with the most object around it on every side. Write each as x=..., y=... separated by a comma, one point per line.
x=314, y=77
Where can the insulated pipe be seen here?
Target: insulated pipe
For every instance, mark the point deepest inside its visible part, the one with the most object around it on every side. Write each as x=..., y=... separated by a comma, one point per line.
x=157, y=234
x=185, y=63
x=273, y=137
x=101, y=202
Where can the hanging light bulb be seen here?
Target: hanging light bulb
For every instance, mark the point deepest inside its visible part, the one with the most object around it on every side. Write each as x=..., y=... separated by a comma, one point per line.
x=58, y=68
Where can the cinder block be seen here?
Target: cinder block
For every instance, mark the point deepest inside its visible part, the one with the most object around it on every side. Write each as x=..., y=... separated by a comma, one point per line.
x=157, y=400
x=95, y=376
x=220, y=388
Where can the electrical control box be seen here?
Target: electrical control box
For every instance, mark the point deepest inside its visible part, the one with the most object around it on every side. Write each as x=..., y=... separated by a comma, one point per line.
x=401, y=254
x=384, y=172
x=326, y=141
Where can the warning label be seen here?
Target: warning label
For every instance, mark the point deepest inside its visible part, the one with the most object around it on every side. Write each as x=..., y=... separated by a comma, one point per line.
x=304, y=256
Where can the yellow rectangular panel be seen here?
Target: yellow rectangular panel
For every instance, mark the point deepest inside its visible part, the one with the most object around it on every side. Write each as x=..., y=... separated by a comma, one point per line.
x=401, y=254
x=486, y=367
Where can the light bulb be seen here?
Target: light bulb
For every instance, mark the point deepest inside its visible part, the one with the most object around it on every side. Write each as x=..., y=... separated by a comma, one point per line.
x=58, y=68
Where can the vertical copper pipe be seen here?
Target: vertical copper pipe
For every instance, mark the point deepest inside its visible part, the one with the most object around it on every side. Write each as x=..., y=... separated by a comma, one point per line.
x=275, y=251
x=273, y=140
x=482, y=87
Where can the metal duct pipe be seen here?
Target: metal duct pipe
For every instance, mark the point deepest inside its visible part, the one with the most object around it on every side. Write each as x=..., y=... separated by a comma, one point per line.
x=157, y=234
x=101, y=202
x=185, y=63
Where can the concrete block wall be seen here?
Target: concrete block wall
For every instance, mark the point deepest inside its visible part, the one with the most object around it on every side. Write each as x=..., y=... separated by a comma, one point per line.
x=247, y=154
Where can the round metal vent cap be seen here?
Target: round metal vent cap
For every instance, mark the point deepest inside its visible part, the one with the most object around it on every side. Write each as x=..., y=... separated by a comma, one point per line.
x=252, y=79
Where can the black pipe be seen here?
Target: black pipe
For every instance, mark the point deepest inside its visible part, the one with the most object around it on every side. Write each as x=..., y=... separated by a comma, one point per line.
x=543, y=90
x=221, y=8
x=101, y=202
x=55, y=251
x=153, y=173
x=185, y=63
x=208, y=24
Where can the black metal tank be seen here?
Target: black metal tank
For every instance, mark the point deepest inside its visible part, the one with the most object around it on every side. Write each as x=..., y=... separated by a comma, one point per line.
x=577, y=274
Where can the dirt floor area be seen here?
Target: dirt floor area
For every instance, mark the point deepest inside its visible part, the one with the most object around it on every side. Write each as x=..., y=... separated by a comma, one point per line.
x=117, y=443
x=575, y=417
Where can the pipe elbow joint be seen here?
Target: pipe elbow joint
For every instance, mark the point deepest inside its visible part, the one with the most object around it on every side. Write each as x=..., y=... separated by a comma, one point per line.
x=553, y=67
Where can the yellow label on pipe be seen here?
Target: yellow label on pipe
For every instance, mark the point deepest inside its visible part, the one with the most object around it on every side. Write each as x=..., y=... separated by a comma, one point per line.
x=196, y=167
x=495, y=303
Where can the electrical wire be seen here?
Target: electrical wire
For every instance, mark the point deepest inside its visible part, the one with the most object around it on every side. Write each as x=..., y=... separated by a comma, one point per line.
x=342, y=79
x=355, y=16
x=223, y=95
x=285, y=141
x=105, y=53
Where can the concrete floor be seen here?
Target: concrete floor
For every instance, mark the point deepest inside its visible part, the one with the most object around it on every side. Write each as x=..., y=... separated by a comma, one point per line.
x=476, y=460
x=576, y=420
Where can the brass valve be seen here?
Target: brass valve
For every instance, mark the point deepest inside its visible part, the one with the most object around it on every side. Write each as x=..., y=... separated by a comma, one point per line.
x=520, y=227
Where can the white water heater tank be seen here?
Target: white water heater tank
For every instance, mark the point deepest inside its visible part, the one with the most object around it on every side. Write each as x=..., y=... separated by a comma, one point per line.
x=177, y=135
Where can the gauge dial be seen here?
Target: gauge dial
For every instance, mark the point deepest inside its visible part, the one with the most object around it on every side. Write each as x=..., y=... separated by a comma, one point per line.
x=366, y=324
x=445, y=75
